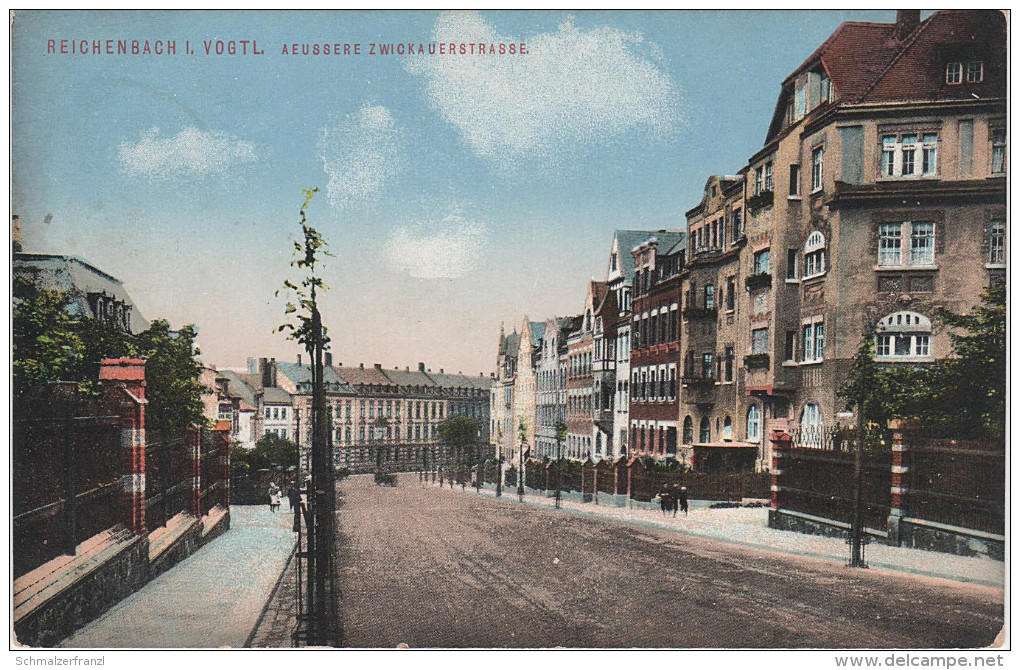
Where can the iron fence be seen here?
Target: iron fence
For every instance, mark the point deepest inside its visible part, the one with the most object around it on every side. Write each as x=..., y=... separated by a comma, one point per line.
x=65, y=476
x=169, y=462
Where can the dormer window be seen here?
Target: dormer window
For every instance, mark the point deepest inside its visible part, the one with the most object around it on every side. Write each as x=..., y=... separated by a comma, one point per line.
x=954, y=72
x=975, y=71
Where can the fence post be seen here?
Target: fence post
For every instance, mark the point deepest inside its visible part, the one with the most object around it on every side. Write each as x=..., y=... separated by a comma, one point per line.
x=194, y=443
x=903, y=431
x=781, y=442
x=225, y=468
x=123, y=380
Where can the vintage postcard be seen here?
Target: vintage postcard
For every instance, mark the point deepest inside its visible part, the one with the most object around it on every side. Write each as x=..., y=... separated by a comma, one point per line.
x=632, y=330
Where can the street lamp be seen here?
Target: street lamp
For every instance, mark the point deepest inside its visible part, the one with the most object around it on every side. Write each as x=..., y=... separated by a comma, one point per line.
x=561, y=433
x=523, y=430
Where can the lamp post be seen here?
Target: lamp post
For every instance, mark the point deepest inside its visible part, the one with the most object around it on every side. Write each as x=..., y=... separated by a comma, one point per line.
x=857, y=526
x=561, y=433
x=499, y=461
x=523, y=430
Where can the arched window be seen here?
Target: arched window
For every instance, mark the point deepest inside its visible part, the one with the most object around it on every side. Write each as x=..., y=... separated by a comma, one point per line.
x=811, y=426
x=903, y=336
x=705, y=430
x=727, y=429
x=754, y=424
x=814, y=255
x=688, y=430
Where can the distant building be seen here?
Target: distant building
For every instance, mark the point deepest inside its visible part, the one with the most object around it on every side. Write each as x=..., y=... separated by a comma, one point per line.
x=94, y=293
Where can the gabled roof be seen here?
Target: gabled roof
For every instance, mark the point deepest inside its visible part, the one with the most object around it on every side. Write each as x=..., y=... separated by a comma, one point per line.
x=237, y=387
x=275, y=395
x=301, y=375
x=363, y=376
x=869, y=63
x=628, y=239
x=409, y=377
x=918, y=70
x=448, y=381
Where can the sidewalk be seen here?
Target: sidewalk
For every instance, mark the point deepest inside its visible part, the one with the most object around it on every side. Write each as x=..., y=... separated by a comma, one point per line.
x=211, y=599
x=748, y=526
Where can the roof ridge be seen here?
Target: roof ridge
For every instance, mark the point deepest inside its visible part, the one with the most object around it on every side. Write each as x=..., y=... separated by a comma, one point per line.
x=904, y=48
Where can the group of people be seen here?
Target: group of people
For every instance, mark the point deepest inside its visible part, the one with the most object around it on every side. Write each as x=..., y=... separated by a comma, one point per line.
x=275, y=496
x=673, y=497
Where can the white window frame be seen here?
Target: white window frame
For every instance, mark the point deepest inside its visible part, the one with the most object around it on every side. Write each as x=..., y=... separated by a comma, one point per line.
x=753, y=431
x=817, y=168
x=954, y=73
x=908, y=154
x=813, y=340
x=997, y=137
x=759, y=342
x=893, y=253
x=910, y=330
x=768, y=176
x=814, y=255
x=968, y=71
x=997, y=243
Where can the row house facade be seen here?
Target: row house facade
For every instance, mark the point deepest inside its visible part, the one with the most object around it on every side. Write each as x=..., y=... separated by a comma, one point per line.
x=877, y=200
x=581, y=402
x=655, y=349
x=375, y=414
x=551, y=386
x=514, y=400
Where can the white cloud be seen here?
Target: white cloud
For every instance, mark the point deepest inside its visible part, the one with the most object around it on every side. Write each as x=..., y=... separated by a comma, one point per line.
x=189, y=153
x=448, y=249
x=575, y=87
x=359, y=154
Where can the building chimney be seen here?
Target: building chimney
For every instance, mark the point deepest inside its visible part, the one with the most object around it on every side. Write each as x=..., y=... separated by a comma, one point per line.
x=361, y=366
x=421, y=367
x=264, y=374
x=906, y=21
x=378, y=366
x=299, y=359
x=407, y=369
x=329, y=359
x=440, y=370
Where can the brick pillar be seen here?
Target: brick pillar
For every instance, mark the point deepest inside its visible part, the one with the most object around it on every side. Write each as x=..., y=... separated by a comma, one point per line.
x=194, y=443
x=781, y=442
x=123, y=382
x=903, y=431
x=223, y=437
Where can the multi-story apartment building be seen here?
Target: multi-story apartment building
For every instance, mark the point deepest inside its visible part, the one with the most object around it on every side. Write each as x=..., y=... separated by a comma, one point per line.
x=466, y=396
x=655, y=352
x=605, y=322
x=619, y=280
x=888, y=153
x=514, y=391
x=721, y=425
x=580, y=379
x=551, y=379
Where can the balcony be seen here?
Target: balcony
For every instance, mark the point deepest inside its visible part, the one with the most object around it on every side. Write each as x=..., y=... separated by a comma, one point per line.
x=760, y=201
x=697, y=381
x=759, y=280
x=756, y=361
x=694, y=313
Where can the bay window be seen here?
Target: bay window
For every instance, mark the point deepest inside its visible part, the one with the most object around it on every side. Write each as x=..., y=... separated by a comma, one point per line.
x=910, y=154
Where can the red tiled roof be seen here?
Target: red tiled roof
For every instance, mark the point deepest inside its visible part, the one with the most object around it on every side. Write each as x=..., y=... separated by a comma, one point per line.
x=364, y=376
x=918, y=72
x=854, y=56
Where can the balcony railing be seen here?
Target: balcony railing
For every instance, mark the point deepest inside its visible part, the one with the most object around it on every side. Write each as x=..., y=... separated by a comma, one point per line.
x=756, y=361
x=760, y=201
x=693, y=313
x=698, y=381
x=759, y=280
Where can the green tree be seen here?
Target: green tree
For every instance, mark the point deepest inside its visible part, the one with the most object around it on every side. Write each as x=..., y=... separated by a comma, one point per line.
x=270, y=451
x=962, y=396
x=46, y=344
x=173, y=389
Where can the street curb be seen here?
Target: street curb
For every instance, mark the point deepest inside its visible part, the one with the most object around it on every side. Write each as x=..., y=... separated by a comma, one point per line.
x=271, y=598
x=794, y=552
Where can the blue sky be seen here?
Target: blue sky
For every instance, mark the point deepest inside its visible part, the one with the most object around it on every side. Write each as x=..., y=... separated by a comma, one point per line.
x=458, y=192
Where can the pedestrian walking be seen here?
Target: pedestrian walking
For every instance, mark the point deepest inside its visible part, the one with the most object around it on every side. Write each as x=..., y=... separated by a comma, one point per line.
x=293, y=497
x=682, y=499
x=274, y=497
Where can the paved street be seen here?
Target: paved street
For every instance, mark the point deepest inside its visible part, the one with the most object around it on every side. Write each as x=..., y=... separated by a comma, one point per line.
x=440, y=568
x=211, y=599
